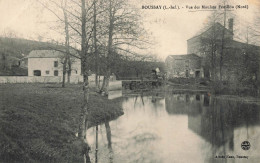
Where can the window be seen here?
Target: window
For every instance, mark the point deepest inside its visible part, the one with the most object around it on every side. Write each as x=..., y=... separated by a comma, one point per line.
x=56, y=73
x=55, y=63
x=47, y=72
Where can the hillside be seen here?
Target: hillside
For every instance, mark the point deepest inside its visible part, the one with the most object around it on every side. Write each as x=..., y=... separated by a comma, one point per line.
x=13, y=49
x=16, y=46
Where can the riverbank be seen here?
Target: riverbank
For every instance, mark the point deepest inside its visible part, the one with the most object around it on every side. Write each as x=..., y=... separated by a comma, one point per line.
x=225, y=94
x=39, y=122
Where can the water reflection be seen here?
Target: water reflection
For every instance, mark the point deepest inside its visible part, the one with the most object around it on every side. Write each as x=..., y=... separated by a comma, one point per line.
x=180, y=128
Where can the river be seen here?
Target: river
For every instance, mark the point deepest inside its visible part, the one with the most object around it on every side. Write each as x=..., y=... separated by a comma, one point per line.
x=181, y=128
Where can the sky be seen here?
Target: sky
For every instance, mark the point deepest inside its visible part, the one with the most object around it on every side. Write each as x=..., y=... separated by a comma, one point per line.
x=170, y=29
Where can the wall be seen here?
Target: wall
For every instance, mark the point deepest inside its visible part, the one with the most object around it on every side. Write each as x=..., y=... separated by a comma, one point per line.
x=48, y=79
x=194, y=45
x=37, y=79
x=43, y=64
x=47, y=64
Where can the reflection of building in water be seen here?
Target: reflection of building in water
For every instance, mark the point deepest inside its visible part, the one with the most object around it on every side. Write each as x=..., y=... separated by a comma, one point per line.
x=213, y=119
x=186, y=103
x=217, y=123
x=213, y=125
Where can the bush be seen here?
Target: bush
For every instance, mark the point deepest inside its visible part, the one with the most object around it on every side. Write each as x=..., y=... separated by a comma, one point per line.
x=182, y=80
x=233, y=89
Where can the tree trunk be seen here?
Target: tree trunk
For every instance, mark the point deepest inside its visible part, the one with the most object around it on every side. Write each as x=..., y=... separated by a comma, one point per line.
x=66, y=44
x=213, y=48
x=84, y=111
x=4, y=61
x=95, y=45
x=69, y=68
x=222, y=47
x=110, y=50
x=64, y=71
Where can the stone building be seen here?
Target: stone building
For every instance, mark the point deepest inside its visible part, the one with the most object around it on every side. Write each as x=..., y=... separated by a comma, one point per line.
x=209, y=52
x=50, y=63
x=237, y=58
x=212, y=34
x=186, y=66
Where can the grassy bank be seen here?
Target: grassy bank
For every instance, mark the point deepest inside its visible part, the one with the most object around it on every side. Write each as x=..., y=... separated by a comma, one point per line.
x=217, y=87
x=38, y=122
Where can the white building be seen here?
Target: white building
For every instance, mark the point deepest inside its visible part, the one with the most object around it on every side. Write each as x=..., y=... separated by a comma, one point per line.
x=50, y=63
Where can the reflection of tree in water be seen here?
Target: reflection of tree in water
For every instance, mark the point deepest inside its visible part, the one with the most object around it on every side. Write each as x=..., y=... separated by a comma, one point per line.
x=141, y=96
x=109, y=141
x=110, y=153
x=108, y=132
x=96, y=151
x=155, y=99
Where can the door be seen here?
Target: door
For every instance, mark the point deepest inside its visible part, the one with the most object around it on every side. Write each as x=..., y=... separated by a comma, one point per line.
x=37, y=73
x=197, y=74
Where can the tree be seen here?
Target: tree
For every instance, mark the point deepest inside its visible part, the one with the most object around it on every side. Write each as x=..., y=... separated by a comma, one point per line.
x=95, y=43
x=78, y=24
x=223, y=37
x=210, y=44
x=64, y=20
x=3, y=61
x=98, y=29
x=67, y=46
x=84, y=115
x=250, y=60
x=214, y=43
x=123, y=33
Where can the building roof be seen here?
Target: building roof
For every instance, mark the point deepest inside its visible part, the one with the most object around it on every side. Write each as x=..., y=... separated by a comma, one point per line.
x=217, y=25
x=237, y=44
x=47, y=54
x=183, y=56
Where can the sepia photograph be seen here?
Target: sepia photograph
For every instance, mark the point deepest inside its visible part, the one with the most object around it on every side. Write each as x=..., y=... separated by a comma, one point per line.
x=129, y=81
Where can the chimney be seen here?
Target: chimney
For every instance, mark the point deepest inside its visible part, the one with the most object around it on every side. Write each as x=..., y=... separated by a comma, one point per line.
x=230, y=24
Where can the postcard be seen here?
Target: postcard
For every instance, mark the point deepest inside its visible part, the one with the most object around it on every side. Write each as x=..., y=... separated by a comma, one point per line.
x=138, y=81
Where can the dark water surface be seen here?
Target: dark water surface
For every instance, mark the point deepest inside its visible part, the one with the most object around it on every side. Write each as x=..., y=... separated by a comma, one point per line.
x=181, y=128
